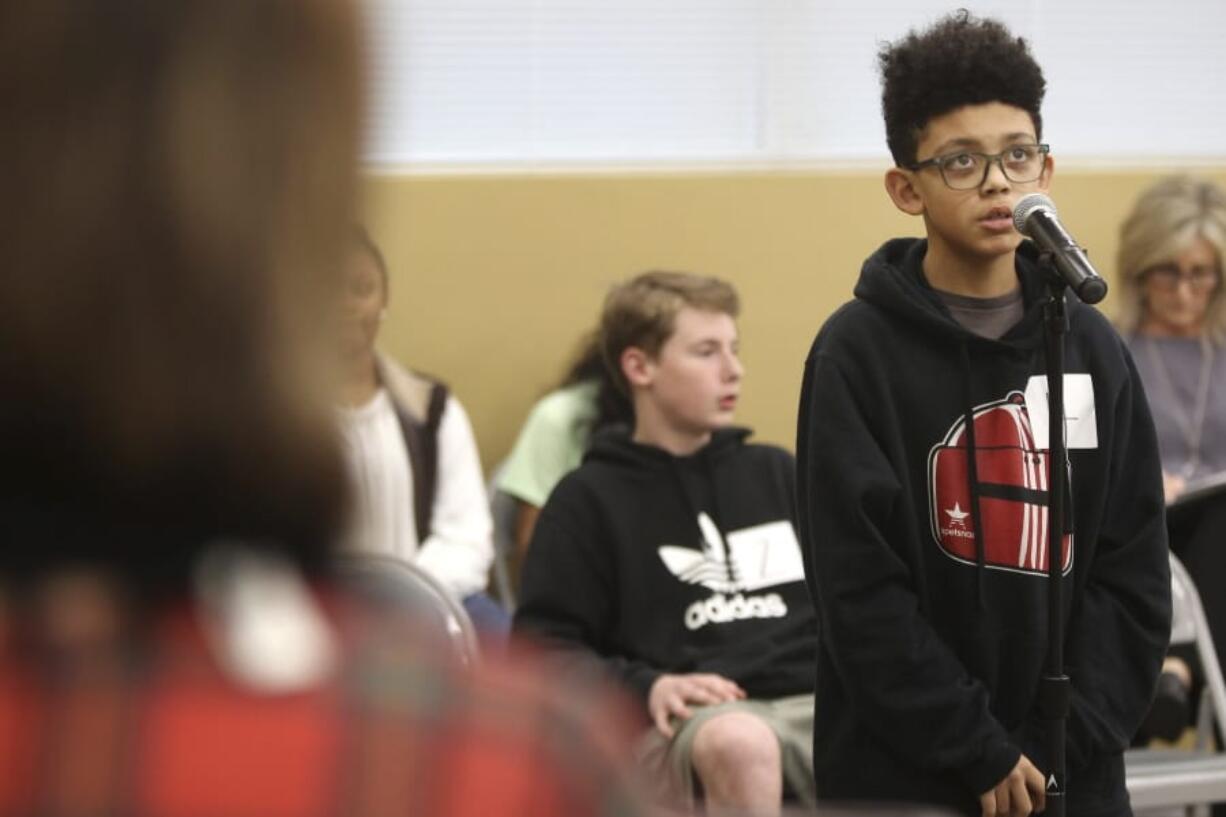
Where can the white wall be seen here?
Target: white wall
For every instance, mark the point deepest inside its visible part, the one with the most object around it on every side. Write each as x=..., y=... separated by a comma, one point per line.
x=787, y=82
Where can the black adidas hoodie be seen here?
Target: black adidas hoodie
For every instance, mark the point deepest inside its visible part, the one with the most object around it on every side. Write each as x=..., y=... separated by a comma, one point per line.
x=644, y=563
x=928, y=571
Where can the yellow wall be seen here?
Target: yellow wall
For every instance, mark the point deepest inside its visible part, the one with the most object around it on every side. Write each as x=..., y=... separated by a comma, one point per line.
x=495, y=277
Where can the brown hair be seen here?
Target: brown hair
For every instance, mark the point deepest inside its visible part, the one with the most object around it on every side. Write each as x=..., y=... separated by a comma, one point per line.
x=361, y=241
x=642, y=312
x=1167, y=217
x=612, y=405
x=177, y=180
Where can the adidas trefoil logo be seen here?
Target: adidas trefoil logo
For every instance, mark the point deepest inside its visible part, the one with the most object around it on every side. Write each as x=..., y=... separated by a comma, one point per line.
x=744, y=561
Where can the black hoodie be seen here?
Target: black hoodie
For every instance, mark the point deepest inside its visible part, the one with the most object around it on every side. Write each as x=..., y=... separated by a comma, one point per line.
x=927, y=566
x=644, y=563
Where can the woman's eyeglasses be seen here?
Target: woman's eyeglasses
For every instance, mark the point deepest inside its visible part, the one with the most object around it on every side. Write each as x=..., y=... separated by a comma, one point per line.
x=1168, y=277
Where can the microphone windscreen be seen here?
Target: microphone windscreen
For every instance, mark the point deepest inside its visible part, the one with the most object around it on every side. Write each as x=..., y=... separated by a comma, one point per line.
x=1028, y=205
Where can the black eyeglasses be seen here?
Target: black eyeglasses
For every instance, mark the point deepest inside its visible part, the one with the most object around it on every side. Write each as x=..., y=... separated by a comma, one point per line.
x=966, y=170
x=1168, y=277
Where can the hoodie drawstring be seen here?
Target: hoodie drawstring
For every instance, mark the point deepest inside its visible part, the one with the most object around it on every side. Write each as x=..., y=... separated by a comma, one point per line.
x=717, y=513
x=972, y=473
x=715, y=516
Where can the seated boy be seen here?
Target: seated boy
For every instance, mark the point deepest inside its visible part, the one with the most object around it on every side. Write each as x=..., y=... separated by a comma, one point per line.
x=923, y=475
x=669, y=559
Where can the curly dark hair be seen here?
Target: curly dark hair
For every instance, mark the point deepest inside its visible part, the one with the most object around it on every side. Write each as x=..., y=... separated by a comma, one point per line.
x=961, y=60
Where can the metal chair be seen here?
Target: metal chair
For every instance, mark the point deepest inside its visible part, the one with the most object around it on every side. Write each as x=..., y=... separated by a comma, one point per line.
x=393, y=587
x=1173, y=781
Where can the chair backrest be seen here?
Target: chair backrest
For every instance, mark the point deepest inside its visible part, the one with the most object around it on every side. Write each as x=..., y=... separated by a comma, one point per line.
x=1190, y=626
x=400, y=589
x=503, y=511
x=1183, y=623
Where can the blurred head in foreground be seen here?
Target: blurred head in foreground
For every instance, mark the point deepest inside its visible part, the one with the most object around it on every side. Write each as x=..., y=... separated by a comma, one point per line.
x=177, y=180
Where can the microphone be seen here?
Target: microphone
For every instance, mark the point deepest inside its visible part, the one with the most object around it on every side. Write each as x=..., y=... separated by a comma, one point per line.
x=1035, y=216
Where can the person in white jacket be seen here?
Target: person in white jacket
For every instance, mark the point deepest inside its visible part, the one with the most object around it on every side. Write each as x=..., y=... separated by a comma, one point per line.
x=418, y=489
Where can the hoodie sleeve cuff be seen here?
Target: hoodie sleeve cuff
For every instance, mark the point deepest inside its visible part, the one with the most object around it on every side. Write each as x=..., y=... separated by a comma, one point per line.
x=997, y=760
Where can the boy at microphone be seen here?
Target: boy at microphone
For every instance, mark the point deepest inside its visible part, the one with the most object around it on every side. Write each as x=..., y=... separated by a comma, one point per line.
x=923, y=468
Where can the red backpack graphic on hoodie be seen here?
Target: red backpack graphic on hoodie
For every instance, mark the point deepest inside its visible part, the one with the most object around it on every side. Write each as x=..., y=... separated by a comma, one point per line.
x=1012, y=491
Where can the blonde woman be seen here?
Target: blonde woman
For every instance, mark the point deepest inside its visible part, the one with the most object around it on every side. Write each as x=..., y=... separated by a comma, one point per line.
x=1174, y=316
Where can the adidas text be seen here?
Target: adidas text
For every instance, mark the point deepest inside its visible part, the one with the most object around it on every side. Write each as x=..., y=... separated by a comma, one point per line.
x=720, y=609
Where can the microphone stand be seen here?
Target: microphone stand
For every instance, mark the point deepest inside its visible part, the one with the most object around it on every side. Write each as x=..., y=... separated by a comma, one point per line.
x=1054, y=688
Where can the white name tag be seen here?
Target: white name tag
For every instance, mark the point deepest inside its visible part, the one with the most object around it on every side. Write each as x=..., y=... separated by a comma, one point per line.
x=1080, y=420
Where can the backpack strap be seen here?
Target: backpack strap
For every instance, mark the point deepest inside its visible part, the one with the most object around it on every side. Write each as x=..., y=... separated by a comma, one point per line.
x=419, y=402
x=425, y=476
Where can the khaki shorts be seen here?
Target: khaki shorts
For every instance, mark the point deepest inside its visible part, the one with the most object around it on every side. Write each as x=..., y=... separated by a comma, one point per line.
x=671, y=772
